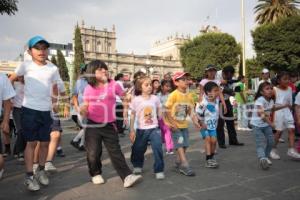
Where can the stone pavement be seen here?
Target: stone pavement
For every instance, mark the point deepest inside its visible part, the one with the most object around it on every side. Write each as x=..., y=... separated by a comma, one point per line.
x=238, y=178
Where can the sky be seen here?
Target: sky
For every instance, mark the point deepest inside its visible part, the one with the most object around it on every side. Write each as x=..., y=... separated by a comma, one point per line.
x=139, y=23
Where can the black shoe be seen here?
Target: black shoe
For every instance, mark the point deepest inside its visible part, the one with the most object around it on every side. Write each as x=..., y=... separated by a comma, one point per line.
x=74, y=144
x=237, y=144
x=60, y=153
x=81, y=148
x=222, y=146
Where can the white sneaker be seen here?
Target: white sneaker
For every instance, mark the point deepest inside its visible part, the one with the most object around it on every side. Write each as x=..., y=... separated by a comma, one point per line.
x=281, y=140
x=131, y=179
x=97, y=180
x=34, y=168
x=137, y=170
x=293, y=153
x=49, y=167
x=42, y=177
x=269, y=161
x=274, y=154
x=1, y=173
x=160, y=176
x=32, y=184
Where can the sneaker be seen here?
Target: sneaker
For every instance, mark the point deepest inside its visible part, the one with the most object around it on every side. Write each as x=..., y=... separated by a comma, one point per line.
x=97, y=180
x=169, y=153
x=1, y=173
x=187, y=171
x=214, y=161
x=74, y=144
x=34, y=168
x=281, y=140
x=20, y=157
x=293, y=153
x=269, y=161
x=60, y=153
x=160, y=176
x=274, y=154
x=81, y=148
x=49, y=167
x=42, y=177
x=137, y=170
x=131, y=179
x=32, y=184
x=264, y=163
x=210, y=164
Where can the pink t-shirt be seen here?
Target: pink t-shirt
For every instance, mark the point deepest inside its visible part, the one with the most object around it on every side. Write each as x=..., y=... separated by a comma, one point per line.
x=102, y=102
x=146, y=111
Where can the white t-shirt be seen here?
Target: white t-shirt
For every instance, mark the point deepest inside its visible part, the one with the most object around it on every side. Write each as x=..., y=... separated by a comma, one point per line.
x=283, y=97
x=209, y=113
x=38, y=84
x=18, y=99
x=297, y=99
x=267, y=106
x=146, y=111
x=6, y=90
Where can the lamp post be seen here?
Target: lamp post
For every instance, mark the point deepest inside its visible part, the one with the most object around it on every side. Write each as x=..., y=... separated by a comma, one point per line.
x=243, y=38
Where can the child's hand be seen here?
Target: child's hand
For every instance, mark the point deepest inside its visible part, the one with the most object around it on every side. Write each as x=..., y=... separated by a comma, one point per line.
x=204, y=126
x=225, y=109
x=273, y=126
x=55, y=108
x=132, y=136
x=84, y=110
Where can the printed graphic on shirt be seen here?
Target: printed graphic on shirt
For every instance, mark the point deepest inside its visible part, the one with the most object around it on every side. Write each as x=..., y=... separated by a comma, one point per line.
x=181, y=111
x=148, y=115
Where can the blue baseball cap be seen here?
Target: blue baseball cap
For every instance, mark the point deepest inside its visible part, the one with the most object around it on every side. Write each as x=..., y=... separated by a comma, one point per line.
x=36, y=39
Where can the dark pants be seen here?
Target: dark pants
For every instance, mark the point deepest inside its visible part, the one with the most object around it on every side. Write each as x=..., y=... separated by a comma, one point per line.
x=229, y=120
x=20, y=143
x=139, y=148
x=94, y=136
x=119, y=115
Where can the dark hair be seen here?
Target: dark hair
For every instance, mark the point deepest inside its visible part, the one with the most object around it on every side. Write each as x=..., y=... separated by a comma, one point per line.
x=119, y=76
x=228, y=69
x=163, y=83
x=261, y=88
x=280, y=75
x=138, y=85
x=91, y=69
x=209, y=86
x=154, y=80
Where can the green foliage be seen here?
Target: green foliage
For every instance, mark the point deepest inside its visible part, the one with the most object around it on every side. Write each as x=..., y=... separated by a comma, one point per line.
x=253, y=68
x=8, y=7
x=61, y=63
x=278, y=45
x=53, y=60
x=270, y=11
x=79, y=55
x=219, y=49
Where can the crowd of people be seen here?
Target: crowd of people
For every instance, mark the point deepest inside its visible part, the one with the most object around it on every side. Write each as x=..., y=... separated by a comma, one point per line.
x=155, y=112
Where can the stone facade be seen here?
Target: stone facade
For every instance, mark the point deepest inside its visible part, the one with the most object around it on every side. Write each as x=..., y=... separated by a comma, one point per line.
x=101, y=44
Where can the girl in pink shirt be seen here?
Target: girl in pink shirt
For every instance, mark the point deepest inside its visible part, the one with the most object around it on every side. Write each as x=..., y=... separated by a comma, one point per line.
x=99, y=109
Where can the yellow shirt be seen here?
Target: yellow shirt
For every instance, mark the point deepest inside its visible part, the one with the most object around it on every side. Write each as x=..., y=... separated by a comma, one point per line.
x=180, y=104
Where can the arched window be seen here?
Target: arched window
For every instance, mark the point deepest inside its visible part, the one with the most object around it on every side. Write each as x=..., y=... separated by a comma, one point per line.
x=98, y=48
x=109, y=47
x=87, y=45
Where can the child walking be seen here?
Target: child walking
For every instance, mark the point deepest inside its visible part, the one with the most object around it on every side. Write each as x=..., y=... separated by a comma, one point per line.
x=166, y=87
x=99, y=102
x=147, y=109
x=283, y=119
x=178, y=106
x=261, y=123
x=208, y=111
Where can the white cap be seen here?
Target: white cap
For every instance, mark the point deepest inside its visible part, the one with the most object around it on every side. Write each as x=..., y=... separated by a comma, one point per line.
x=265, y=70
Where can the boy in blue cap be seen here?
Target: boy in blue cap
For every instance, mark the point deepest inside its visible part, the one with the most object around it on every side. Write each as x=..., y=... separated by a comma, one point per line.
x=41, y=78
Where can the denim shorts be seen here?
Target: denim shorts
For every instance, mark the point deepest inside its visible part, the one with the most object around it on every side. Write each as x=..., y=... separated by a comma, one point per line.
x=56, y=125
x=36, y=125
x=180, y=138
x=208, y=133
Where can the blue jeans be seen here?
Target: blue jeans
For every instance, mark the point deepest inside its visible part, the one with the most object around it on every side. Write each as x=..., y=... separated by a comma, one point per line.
x=264, y=139
x=139, y=148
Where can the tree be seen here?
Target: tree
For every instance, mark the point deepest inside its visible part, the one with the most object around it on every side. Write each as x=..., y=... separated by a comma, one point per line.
x=253, y=69
x=53, y=60
x=270, y=11
x=79, y=56
x=61, y=62
x=219, y=49
x=8, y=7
x=277, y=45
